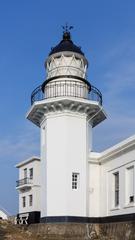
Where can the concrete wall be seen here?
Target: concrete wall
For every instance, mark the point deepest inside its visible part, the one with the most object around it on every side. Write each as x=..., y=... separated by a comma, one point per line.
x=74, y=231
x=102, y=169
x=120, y=163
x=94, y=190
x=64, y=138
x=36, y=171
x=33, y=190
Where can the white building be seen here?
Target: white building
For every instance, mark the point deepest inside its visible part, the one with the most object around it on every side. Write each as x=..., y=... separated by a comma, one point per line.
x=72, y=183
x=111, y=181
x=28, y=187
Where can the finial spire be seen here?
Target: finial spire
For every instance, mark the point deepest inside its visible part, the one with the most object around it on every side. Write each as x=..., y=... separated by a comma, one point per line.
x=66, y=32
x=67, y=28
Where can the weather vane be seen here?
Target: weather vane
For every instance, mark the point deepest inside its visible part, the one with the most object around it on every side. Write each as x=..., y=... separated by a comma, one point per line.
x=67, y=28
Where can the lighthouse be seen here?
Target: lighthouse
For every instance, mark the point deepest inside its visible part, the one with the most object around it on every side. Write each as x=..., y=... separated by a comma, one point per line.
x=66, y=107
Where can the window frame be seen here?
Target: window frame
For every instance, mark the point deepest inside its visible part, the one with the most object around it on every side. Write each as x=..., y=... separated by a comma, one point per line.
x=30, y=200
x=116, y=188
x=130, y=199
x=24, y=201
x=25, y=172
x=31, y=171
x=75, y=180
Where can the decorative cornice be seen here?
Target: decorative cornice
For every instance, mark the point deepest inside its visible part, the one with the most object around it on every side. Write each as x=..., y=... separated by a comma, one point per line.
x=92, y=109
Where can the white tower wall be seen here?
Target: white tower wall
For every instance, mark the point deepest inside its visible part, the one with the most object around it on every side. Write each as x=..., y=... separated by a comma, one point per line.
x=66, y=145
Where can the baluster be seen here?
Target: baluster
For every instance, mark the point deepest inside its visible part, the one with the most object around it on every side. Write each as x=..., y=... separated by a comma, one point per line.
x=55, y=89
x=66, y=84
x=73, y=89
x=60, y=89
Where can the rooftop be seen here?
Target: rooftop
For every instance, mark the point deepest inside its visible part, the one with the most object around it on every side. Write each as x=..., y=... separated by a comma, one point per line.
x=109, y=153
x=32, y=159
x=66, y=44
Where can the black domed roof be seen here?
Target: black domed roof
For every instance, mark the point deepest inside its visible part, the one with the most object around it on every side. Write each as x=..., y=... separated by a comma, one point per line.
x=66, y=45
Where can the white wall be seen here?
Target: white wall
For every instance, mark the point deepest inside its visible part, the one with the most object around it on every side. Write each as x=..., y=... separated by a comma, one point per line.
x=34, y=190
x=118, y=164
x=94, y=189
x=36, y=171
x=65, y=142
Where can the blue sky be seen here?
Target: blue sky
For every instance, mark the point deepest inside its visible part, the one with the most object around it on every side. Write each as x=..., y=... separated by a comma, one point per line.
x=28, y=29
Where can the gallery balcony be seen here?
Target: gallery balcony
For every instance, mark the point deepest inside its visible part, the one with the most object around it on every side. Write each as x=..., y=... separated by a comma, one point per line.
x=76, y=95
x=66, y=89
x=24, y=184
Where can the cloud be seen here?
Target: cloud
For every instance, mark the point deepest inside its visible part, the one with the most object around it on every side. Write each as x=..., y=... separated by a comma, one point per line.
x=119, y=96
x=15, y=147
x=19, y=146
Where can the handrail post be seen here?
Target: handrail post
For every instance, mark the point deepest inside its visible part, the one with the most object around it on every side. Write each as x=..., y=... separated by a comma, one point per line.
x=66, y=88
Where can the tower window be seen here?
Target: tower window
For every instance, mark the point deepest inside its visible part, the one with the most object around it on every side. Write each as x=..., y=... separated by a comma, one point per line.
x=116, y=188
x=75, y=180
x=31, y=173
x=24, y=202
x=30, y=200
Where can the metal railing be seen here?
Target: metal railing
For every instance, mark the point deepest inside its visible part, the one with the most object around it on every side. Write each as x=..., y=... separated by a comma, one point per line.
x=23, y=181
x=66, y=88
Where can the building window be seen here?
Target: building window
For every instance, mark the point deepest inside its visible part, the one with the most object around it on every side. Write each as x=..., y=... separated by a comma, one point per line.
x=75, y=180
x=25, y=173
x=130, y=184
x=30, y=200
x=31, y=173
x=116, y=189
x=24, y=202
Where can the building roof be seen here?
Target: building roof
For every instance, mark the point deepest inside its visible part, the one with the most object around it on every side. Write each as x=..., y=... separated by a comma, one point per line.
x=109, y=153
x=32, y=159
x=121, y=147
x=66, y=44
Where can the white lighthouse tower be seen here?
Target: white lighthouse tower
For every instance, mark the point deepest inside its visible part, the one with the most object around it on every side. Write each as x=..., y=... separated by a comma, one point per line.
x=66, y=108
